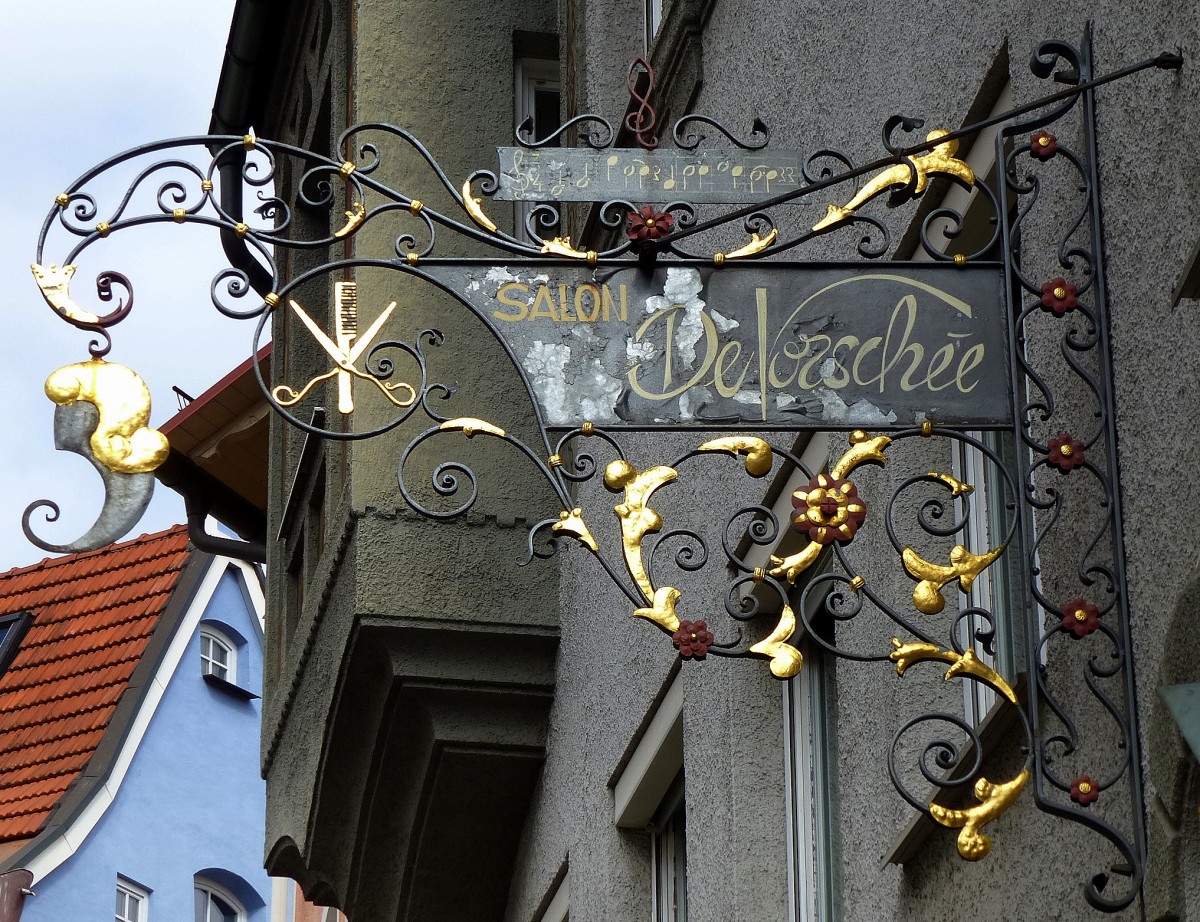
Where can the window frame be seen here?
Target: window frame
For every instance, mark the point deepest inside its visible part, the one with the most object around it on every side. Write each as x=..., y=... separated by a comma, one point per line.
x=809, y=744
x=652, y=11
x=127, y=888
x=668, y=856
x=559, y=907
x=218, y=637
x=212, y=889
x=13, y=627
x=531, y=73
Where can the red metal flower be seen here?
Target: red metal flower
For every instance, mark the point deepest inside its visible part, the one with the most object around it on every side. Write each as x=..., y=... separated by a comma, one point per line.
x=648, y=224
x=1043, y=145
x=1058, y=295
x=828, y=510
x=1065, y=452
x=1080, y=617
x=1085, y=790
x=692, y=639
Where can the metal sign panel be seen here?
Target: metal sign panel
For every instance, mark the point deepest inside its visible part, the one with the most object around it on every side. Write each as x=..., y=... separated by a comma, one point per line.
x=647, y=177
x=797, y=346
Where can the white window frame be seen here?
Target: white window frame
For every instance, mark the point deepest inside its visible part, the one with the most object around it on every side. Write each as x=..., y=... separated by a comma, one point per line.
x=808, y=747
x=653, y=765
x=208, y=664
x=653, y=19
x=212, y=888
x=668, y=857
x=140, y=897
x=648, y=783
x=812, y=894
x=529, y=76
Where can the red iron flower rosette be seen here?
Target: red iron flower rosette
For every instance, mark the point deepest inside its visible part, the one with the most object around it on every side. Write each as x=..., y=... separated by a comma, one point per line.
x=648, y=224
x=1080, y=617
x=692, y=639
x=1058, y=295
x=828, y=510
x=1043, y=145
x=1085, y=790
x=1065, y=452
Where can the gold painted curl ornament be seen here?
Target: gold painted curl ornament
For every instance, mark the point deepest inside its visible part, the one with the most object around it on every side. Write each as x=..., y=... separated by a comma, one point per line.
x=994, y=798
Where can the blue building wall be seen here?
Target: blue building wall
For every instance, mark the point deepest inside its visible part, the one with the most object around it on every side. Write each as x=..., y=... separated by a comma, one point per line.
x=191, y=803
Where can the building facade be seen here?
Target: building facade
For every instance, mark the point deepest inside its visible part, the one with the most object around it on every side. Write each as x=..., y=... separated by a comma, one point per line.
x=131, y=713
x=459, y=724
x=437, y=715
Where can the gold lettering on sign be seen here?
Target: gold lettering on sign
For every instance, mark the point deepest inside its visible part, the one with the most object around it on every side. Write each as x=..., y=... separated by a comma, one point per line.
x=561, y=303
x=786, y=361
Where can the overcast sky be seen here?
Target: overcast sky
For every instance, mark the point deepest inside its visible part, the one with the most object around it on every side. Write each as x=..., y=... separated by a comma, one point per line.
x=80, y=81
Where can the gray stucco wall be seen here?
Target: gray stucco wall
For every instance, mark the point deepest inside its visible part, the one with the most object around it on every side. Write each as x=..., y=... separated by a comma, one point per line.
x=820, y=75
x=823, y=75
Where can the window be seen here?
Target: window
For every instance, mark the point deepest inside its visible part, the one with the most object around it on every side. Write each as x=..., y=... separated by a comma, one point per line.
x=215, y=904
x=808, y=730
x=648, y=795
x=218, y=655
x=12, y=629
x=537, y=96
x=653, y=11
x=132, y=902
x=669, y=857
x=809, y=706
x=535, y=107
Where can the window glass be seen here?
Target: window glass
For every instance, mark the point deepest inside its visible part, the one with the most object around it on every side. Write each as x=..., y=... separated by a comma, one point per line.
x=536, y=96
x=653, y=21
x=131, y=904
x=217, y=656
x=213, y=905
x=669, y=856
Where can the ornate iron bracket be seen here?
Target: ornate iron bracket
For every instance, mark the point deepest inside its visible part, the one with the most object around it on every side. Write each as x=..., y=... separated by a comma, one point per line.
x=1043, y=461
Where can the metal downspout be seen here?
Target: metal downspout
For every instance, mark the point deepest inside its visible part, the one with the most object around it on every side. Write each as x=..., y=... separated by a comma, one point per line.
x=232, y=115
x=14, y=887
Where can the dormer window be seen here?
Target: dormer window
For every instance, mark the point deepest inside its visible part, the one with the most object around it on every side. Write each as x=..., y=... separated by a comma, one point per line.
x=12, y=629
x=216, y=904
x=218, y=655
x=132, y=902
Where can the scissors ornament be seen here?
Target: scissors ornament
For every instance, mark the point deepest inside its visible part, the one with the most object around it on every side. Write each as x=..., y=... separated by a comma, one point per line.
x=345, y=350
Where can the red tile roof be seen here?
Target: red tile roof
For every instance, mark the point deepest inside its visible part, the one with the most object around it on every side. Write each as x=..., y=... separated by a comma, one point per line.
x=93, y=615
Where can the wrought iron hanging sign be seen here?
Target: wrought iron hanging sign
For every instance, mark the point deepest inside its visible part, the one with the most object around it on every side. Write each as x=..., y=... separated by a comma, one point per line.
x=656, y=331
x=775, y=344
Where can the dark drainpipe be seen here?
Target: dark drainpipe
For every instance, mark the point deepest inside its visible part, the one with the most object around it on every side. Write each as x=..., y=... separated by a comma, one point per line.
x=234, y=114
x=203, y=494
x=14, y=887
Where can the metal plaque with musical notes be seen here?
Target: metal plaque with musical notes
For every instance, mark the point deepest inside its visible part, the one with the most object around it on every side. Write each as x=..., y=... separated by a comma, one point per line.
x=572, y=174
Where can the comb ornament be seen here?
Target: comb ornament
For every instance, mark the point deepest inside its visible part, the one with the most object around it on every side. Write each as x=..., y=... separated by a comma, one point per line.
x=345, y=349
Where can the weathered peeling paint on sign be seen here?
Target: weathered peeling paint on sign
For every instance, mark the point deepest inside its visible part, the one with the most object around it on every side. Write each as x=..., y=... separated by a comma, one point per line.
x=796, y=346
